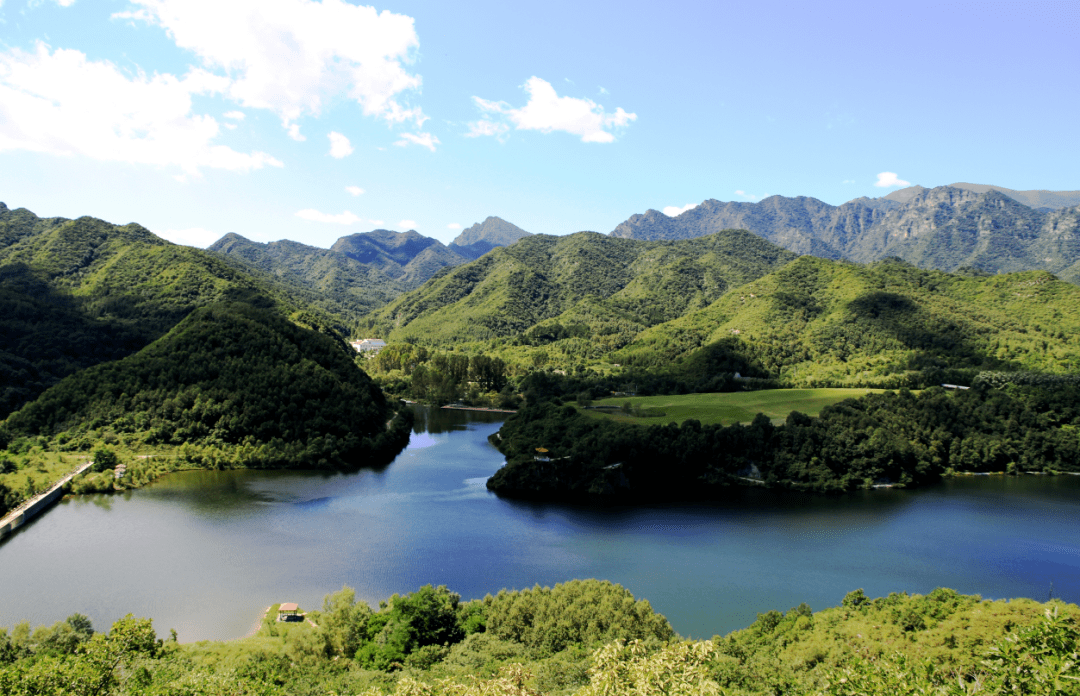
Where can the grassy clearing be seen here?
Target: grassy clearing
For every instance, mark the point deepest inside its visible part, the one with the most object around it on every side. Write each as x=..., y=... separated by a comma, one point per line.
x=34, y=471
x=725, y=409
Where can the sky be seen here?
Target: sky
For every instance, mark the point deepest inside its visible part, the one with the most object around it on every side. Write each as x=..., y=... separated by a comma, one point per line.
x=306, y=120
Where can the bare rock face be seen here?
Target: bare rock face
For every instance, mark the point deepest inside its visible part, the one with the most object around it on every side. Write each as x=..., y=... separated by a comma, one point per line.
x=484, y=236
x=947, y=227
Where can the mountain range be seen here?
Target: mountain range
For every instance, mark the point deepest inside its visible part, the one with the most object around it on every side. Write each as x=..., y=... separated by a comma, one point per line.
x=946, y=228
x=600, y=290
x=362, y=272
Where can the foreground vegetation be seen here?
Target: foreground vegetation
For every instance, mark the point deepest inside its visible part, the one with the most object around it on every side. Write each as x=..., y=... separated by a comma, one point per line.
x=582, y=637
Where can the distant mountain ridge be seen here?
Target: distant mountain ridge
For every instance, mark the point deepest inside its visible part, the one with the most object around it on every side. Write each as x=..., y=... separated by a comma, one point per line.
x=408, y=257
x=946, y=228
x=333, y=280
x=484, y=236
x=1042, y=200
x=360, y=272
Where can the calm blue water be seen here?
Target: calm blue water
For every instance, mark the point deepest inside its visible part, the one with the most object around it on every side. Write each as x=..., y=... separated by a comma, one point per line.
x=206, y=552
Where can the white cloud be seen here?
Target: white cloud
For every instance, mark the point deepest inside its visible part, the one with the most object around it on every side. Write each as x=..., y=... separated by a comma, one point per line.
x=546, y=111
x=345, y=218
x=422, y=139
x=748, y=196
x=339, y=145
x=485, y=127
x=604, y=91
x=848, y=181
x=673, y=211
x=294, y=132
x=235, y=115
x=294, y=57
x=407, y=224
x=453, y=226
x=889, y=179
x=63, y=104
x=193, y=236
x=65, y=3
x=354, y=190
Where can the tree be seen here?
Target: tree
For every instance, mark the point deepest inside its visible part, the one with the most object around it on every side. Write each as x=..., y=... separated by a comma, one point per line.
x=428, y=616
x=105, y=458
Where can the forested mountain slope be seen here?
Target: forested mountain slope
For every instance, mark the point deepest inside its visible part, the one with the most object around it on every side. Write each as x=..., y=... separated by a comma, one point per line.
x=817, y=322
x=333, y=280
x=600, y=289
x=408, y=257
x=946, y=228
x=110, y=330
x=75, y=293
x=229, y=375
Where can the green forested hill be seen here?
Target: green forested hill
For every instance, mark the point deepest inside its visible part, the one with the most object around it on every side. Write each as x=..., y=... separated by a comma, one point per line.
x=820, y=322
x=230, y=375
x=408, y=257
x=74, y=293
x=584, y=287
x=331, y=280
x=109, y=334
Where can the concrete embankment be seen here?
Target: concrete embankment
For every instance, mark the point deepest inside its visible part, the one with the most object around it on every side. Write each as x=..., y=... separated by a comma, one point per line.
x=31, y=508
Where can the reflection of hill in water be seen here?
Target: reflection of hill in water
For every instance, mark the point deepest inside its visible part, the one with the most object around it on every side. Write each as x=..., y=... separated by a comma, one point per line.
x=444, y=420
x=785, y=512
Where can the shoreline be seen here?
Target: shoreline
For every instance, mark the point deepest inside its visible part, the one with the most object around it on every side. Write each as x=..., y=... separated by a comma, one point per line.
x=258, y=624
x=477, y=408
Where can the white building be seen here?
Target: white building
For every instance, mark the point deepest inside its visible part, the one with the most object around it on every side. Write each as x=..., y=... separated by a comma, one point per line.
x=365, y=345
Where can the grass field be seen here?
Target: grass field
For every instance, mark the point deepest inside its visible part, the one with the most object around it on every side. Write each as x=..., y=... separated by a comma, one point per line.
x=735, y=407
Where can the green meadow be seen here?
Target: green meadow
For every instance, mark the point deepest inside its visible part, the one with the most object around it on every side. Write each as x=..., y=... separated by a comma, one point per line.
x=723, y=409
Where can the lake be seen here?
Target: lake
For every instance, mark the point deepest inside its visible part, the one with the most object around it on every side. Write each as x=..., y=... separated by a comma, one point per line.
x=205, y=552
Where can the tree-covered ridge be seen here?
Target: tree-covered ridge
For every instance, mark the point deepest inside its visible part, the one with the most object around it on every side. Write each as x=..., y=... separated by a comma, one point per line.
x=19, y=223
x=593, y=639
x=817, y=322
x=627, y=285
x=75, y=293
x=337, y=283
x=891, y=438
x=230, y=376
x=408, y=257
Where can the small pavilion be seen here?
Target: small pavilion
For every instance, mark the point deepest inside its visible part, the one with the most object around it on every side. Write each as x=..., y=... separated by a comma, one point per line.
x=288, y=611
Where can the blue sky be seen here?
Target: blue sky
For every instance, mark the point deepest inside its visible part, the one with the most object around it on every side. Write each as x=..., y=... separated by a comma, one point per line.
x=312, y=120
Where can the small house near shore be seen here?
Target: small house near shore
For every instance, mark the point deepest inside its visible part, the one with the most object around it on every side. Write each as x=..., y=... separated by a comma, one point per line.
x=289, y=611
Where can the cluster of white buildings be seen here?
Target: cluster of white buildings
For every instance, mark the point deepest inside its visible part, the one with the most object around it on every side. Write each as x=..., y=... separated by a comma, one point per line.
x=365, y=345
